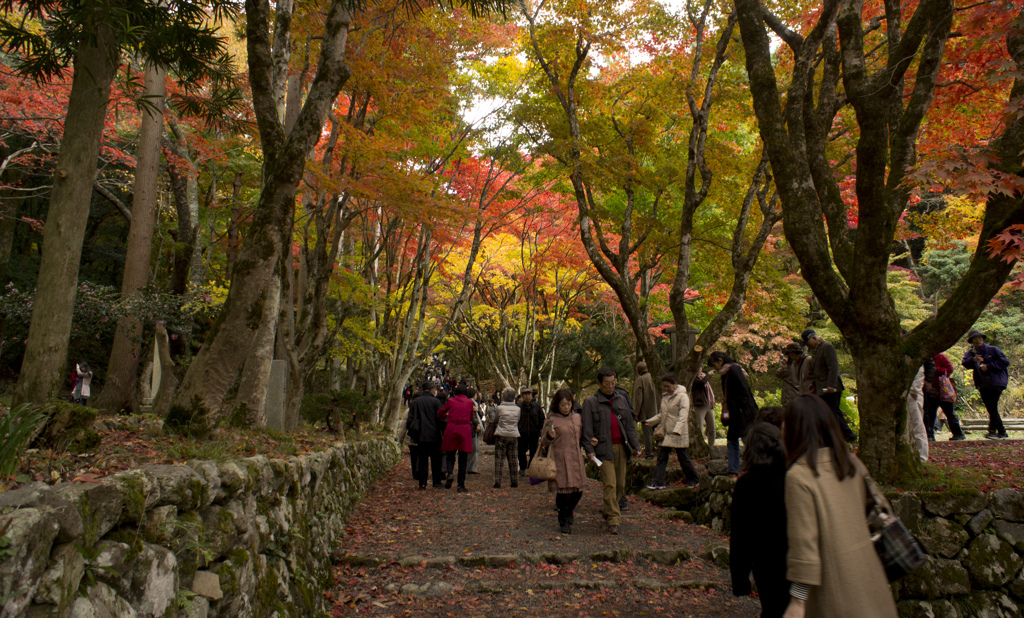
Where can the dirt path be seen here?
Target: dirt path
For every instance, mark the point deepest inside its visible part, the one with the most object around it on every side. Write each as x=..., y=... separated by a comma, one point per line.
x=499, y=552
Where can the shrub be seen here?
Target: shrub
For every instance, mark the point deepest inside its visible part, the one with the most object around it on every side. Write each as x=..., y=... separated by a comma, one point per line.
x=338, y=408
x=17, y=427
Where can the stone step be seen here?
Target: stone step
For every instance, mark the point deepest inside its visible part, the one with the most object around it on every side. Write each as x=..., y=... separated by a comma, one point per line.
x=440, y=588
x=658, y=556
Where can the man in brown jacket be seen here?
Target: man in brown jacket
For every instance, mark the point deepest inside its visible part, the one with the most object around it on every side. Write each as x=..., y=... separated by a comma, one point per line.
x=646, y=403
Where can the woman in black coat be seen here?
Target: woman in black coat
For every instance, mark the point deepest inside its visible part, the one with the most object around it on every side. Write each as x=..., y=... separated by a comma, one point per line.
x=758, y=536
x=738, y=409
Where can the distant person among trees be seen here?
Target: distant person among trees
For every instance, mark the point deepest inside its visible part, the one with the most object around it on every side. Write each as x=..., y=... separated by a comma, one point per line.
x=702, y=404
x=795, y=372
x=831, y=563
x=827, y=383
x=939, y=392
x=531, y=421
x=674, y=419
x=457, y=412
x=472, y=462
x=423, y=428
x=916, y=434
x=564, y=437
x=990, y=377
x=610, y=439
x=83, y=387
x=757, y=540
x=646, y=403
x=739, y=409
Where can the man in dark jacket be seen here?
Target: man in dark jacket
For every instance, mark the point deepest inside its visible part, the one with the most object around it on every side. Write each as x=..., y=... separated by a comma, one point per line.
x=990, y=377
x=647, y=402
x=827, y=383
x=531, y=422
x=609, y=438
x=422, y=426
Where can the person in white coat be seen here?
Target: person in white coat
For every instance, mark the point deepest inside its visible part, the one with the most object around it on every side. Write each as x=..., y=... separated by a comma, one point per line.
x=916, y=434
x=674, y=417
x=84, y=386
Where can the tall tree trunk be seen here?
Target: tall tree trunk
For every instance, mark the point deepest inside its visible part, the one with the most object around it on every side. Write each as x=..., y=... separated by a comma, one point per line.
x=46, y=351
x=269, y=235
x=8, y=221
x=235, y=224
x=124, y=356
x=252, y=390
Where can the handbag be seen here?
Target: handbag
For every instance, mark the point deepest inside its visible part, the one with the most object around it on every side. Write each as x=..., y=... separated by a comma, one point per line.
x=488, y=436
x=542, y=467
x=946, y=391
x=897, y=548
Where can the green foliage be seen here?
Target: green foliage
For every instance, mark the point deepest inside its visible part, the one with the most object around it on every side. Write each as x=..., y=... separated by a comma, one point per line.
x=17, y=426
x=91, y=556
x=192, y=421
x=97, y=310
x=339, y=409
x=5, y=548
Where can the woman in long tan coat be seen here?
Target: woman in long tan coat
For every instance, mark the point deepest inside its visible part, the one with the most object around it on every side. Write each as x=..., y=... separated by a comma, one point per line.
x=674, y=418
x=831, y=563
x=563, y=437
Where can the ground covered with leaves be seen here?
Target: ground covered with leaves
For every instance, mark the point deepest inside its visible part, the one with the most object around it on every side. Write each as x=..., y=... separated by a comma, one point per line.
x=976, y=464
x=123, y=443
x=409, y=552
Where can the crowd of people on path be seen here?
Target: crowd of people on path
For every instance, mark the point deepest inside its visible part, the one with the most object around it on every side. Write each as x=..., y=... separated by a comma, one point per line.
x=799, y=523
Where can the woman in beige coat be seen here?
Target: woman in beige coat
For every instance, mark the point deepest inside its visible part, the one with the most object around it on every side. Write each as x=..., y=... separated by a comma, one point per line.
x=831, y=563
x=563, y=437
x=674, y=419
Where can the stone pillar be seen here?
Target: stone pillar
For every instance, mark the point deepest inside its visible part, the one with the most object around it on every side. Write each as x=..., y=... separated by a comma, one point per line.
x=277, y=391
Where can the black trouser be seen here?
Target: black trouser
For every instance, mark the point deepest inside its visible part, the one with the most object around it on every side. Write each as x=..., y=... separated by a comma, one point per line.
x=832, y=399
x=931, y=408
x=990, y=395
x=414, y=461
x=684, y=462
x=648, y=441
x=431, y=451
x=566, y=504
x=450, y=458
x=527, y=444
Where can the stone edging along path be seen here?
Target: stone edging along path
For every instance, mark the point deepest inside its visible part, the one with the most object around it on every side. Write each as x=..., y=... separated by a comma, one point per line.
x=250, y=537
x=974, y=540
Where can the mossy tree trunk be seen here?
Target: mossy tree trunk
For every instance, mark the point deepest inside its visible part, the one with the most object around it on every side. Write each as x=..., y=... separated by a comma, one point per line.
x=95, y=65
x=259, y=259
x=847, y=274
x=124, y=355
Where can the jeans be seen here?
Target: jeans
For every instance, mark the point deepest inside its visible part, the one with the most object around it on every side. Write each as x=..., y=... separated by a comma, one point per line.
x=684, y=462
x=990, y=395
x=733, y=449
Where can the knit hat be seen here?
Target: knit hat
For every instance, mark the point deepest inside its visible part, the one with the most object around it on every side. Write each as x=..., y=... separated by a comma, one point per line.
x=807, y=334
x=974, y=332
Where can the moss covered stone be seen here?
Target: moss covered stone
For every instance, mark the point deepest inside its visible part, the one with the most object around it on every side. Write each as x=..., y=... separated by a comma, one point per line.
x=991, y=561
x=1008, y=504
x=987, y=605
x=956, y=501
x=926, y=609
x=937, y=578
x=942, y=537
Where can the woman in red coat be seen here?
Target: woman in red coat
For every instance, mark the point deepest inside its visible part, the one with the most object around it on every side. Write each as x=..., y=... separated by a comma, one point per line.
x=458, y=434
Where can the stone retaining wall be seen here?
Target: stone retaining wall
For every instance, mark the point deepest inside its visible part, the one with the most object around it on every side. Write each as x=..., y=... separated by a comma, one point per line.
x=252, y=537
x=975, y=541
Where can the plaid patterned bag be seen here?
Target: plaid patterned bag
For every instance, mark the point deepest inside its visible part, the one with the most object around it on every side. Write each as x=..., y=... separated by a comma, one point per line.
x=898, y=549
